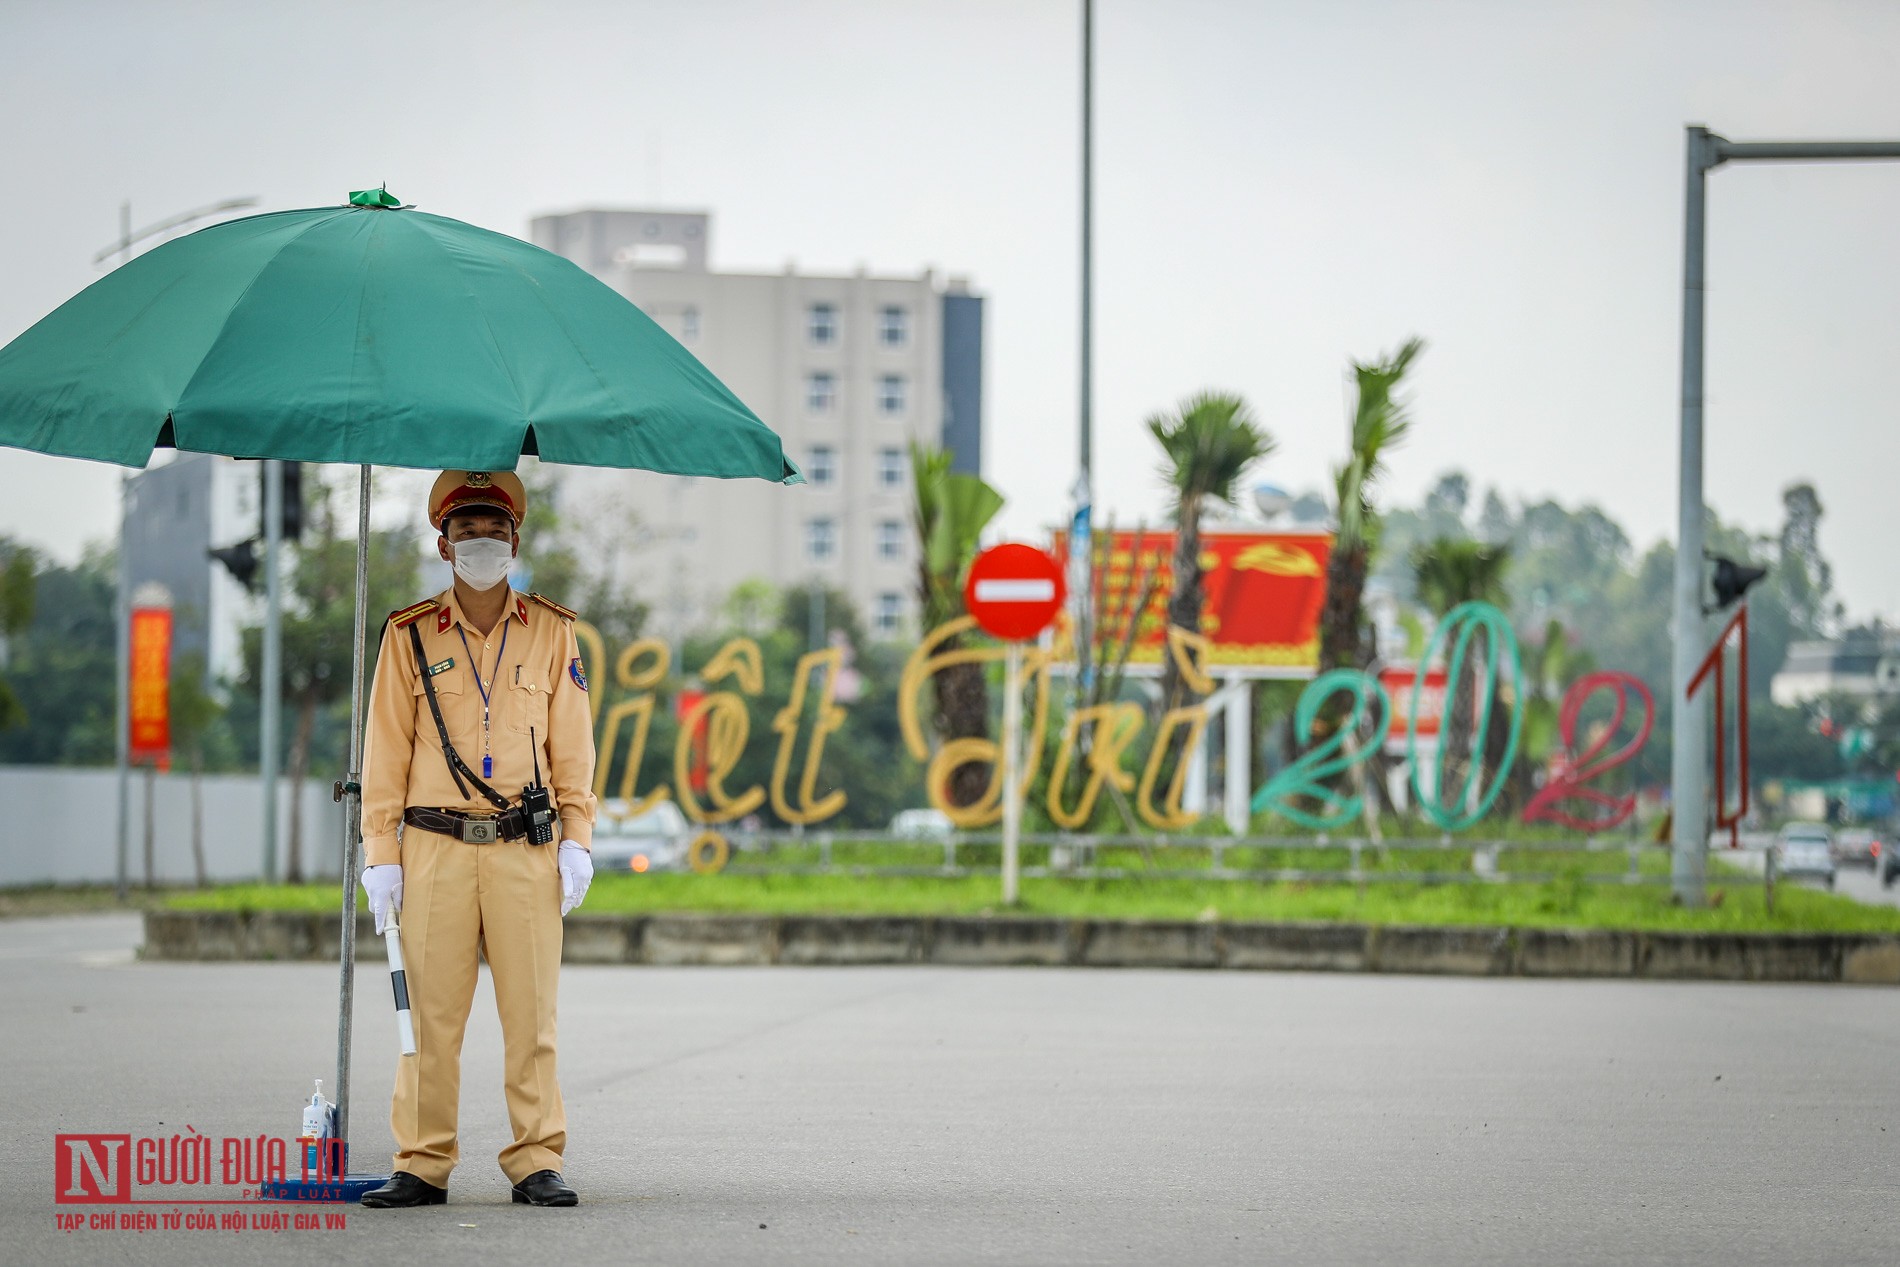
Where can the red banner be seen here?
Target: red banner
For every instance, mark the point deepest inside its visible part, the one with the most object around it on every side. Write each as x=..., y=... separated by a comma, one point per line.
x=1399, y=682
x=150, y=693
x=1263, y=593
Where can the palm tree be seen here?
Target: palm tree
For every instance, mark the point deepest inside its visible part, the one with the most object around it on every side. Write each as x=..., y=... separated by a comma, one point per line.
x=1380, y=421
x=1208, y=445
x=1449, y=571
x=950, y=512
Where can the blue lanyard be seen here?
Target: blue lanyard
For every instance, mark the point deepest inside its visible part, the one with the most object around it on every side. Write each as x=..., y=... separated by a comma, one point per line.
x=488, y=761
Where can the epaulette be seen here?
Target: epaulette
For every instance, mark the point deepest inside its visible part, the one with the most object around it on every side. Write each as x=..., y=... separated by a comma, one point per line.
x=556, y=608
x=414, y=612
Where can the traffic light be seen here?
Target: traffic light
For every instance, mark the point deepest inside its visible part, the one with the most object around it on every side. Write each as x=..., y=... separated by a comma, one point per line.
x=292, y=519
x=241, y=560
x=1732, y=580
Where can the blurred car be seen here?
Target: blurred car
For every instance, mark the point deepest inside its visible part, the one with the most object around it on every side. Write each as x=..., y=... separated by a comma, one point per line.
x=1805, y=851
x=922, y=824
x=655, y=840
x=1859, y=849
x=1889, y=865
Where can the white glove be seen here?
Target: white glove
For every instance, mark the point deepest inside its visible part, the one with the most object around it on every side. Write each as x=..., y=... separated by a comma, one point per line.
x=577, y=872
x=384, y=886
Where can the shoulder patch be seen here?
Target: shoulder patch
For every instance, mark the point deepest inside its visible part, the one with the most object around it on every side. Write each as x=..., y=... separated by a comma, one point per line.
x=563, y=612
x=409, y=615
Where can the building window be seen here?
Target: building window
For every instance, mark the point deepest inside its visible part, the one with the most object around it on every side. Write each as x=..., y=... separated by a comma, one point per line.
x=689, y=325
x=821, y=325
x=890, y=610
x=821, y=392
x=822, y=469
x=890, y=393
x=893, y=326
x=821, y=540
x=890, y=541
x=890, y=468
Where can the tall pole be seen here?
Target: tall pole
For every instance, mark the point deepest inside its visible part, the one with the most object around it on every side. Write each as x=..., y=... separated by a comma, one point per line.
x=122, y=632
x=1087, y=420
x=1687, y=776
x=122, y=642
x=1081, y=532
x=271, y=685
x=1689, y=762
x=352, y=797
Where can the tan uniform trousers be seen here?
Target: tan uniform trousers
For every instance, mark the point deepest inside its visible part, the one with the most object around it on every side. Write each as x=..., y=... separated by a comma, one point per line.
x=460, y=900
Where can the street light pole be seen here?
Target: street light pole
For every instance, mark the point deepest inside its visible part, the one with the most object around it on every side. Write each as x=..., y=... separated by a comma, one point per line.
x=1688, y=773
x=122, y=635
x=1081, y=529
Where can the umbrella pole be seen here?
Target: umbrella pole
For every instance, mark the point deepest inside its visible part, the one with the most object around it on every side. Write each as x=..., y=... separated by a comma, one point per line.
x=352, y=817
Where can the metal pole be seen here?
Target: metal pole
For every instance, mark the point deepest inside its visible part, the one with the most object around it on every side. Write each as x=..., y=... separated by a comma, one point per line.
x=352, y=818
x=1688, y=767
x=122, y=640
x=1081, y=533
x=1012, y=769
x=271, y=683
x=1239, y=744
x=1688, y=778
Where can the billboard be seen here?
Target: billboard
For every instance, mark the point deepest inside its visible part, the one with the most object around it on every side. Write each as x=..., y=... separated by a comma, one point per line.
x=1261, y=613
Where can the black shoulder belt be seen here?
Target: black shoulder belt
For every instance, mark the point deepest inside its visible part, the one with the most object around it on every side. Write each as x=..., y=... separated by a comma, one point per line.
x=458, y=768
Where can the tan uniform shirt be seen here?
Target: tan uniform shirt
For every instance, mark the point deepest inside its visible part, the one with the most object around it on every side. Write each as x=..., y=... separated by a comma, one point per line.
x=537, y=684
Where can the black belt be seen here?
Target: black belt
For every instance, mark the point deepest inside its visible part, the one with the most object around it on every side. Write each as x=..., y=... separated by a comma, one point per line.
x=475, y=829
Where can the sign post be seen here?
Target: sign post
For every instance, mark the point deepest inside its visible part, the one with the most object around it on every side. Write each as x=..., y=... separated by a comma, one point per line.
x=1014, y=591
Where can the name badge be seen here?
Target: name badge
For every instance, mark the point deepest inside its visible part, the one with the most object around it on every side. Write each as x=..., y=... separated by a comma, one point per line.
x=443, y=667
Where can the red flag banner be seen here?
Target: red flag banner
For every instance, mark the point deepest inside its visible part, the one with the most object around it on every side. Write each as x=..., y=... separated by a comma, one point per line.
x=1264, y=591
x=150, y=693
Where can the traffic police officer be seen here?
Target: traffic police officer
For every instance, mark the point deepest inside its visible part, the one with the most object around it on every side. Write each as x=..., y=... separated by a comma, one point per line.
x=479, y=692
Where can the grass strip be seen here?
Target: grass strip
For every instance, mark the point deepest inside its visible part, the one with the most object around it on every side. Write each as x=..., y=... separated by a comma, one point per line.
x=1568, y=902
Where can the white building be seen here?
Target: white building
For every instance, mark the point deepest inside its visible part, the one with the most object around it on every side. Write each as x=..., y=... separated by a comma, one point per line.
x=1866, y=665
x=848, y=370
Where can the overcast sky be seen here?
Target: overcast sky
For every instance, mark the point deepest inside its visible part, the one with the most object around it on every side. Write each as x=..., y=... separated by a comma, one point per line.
x=1280, y=187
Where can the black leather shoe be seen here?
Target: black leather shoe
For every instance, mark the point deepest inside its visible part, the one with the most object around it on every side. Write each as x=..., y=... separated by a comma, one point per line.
x=403, y=1191
x=544, y=1187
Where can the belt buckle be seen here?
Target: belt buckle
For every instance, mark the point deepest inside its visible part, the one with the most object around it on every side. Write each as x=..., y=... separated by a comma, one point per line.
x=480, y=831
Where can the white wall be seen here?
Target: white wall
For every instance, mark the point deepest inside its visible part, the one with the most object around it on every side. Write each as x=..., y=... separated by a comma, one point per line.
x=66, y=827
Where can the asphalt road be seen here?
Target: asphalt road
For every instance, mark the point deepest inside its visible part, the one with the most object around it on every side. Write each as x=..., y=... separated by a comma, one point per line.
x=928, y=1115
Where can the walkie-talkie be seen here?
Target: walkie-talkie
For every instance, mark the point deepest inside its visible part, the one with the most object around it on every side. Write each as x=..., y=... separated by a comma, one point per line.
x=537, y=806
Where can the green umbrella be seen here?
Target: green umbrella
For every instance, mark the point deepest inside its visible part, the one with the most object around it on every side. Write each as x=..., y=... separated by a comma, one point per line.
x=370, y=334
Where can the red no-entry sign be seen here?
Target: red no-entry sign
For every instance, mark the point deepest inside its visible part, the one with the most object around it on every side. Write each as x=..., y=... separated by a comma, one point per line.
x=1014, y=591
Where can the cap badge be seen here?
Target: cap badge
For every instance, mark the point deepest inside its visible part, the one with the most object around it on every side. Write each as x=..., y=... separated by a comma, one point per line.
x=479, y=479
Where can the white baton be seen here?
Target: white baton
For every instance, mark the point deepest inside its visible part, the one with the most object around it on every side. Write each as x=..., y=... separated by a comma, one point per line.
x=405, y=1030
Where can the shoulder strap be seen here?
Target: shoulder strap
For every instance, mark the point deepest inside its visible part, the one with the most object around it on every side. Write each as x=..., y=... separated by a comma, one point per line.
x=458, y=768
x=564, y=613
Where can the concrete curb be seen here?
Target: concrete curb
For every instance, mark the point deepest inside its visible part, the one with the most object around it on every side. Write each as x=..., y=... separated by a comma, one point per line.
x=683, y=938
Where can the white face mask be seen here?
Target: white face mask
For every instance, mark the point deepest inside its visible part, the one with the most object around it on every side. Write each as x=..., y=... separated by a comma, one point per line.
x=483, y=561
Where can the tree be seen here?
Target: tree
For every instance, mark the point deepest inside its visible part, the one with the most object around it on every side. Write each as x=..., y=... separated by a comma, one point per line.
x=950, y=511
x=18, y=583
x=1801, y=573
x=1380, y=420
x=62, y=667
x=1207, y=445
x=1449, y=572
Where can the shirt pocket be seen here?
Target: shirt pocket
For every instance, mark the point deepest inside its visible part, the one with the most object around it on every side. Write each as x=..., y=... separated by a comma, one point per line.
x=528, y=702
x=448, y=691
